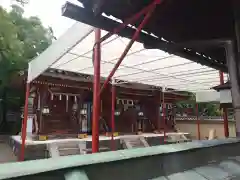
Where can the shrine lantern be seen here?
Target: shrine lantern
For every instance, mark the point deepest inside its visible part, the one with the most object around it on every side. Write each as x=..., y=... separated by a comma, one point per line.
x=225, y=94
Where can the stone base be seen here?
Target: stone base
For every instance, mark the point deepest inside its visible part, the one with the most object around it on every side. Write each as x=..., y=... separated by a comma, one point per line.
x=36, y=149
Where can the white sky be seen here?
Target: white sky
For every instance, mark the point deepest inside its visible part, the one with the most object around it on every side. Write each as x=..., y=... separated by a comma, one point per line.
x=49, y=11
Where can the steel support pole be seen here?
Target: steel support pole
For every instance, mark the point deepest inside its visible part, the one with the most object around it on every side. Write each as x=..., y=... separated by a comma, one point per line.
x=225, y=115
x=198, y=123
x=233, y=68
x=96, y=89
x=113, y=114
x=233, y=59
x=24, y=123
x=128, y=47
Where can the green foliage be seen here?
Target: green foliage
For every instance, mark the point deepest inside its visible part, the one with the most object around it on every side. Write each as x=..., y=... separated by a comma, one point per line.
x=209, y=109
x=21, y=40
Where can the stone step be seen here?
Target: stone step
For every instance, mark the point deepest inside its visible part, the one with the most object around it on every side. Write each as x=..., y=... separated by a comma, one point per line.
x=68, y=151
x=134, y=142
x=66, y=148
x=68, y=144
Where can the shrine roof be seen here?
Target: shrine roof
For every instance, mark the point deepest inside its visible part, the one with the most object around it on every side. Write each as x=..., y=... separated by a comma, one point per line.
x=173, y=22
x=224, y=86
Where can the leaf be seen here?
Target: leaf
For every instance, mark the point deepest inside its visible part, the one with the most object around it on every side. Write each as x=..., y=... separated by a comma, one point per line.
x=21, y=39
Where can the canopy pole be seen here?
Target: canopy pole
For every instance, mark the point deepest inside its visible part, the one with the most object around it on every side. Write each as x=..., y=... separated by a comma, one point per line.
x=128, y=47
x=130, y=20
x=158, y=113
x=24, y=123
x=113, y=114
x=233, y=68
x=225, y=115
x=198, y=123
x=96, y=89
x=232, y=49
x=164, y=114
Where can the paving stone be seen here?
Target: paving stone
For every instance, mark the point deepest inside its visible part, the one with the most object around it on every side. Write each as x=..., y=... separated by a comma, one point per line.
x=186, y=175
x=231, y=167
x=159, y=178
x=6, y=153
x=212, y=172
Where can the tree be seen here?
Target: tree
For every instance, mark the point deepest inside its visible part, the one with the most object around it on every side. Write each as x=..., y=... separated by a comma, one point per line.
x=22, y=2
x=208, y=109
x=21, y=40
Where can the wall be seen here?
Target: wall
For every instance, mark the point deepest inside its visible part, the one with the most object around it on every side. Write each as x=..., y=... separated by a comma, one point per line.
x=190, y=126
x=211, y=159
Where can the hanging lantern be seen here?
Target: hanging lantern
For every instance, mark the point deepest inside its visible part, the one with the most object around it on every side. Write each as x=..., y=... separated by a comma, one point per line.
x=51, y=96
x=60, y=97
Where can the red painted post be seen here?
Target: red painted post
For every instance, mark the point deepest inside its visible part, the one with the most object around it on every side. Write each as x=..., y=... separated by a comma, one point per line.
x=221, y=77
x=225, y=119
x=130, y=20
x=198, y=123
x=24, y=123
x=128, y=47
x=164, y=114
x=113, y=114
x=225, y=115
x=158, y=112
x=96, y=89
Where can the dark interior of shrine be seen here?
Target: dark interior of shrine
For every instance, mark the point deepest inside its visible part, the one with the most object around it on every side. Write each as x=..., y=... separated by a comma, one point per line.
x=173, y=22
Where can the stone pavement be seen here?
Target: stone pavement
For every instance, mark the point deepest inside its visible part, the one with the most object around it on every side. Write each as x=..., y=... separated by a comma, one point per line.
x=6, y=153
x=225, y=170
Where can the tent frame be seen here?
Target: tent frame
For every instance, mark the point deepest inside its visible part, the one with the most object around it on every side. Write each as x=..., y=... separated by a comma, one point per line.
x=147, y=11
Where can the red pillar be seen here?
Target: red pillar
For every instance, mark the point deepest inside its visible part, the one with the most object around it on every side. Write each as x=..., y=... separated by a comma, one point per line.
x=113, y=114
x=225, y=115
x=198, y=123
x=24, y=123
x=96, y=90
x=164, y=115
x=129, y=45
x=158, y=112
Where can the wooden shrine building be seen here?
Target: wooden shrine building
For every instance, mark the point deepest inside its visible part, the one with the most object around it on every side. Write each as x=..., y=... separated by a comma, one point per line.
x=61, y=103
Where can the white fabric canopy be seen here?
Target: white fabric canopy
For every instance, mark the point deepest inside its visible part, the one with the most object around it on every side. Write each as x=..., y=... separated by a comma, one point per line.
x=73, y=52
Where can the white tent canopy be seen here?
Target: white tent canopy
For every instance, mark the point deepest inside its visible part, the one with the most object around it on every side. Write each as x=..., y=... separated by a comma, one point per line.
x=73, y=52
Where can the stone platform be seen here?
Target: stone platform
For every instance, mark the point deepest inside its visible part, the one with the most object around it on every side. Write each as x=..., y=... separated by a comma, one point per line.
x=38, y=149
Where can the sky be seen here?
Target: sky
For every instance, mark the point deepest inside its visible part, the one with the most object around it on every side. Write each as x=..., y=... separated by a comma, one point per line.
x=49, y=11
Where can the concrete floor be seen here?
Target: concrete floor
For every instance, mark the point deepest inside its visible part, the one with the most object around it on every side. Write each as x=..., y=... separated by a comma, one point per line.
x=6, y=153
x=225, y=170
